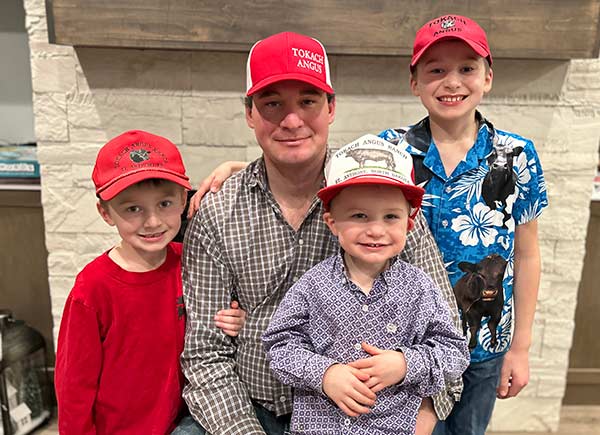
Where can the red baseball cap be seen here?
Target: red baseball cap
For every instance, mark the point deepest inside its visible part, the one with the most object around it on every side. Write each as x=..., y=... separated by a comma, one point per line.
x=371, y=160
x=451, y=27
x=287, y=56
x=134, y=156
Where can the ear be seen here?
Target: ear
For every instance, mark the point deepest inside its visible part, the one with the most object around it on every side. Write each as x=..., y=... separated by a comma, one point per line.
x=249, y=120
x=410, y=224
x=331, y=107
x=105, y=214
x=413, y=85
x=330, y=222
x=489, y=78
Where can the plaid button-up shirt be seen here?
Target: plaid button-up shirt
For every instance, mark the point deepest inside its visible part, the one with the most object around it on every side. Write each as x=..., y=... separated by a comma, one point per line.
x=240, y=243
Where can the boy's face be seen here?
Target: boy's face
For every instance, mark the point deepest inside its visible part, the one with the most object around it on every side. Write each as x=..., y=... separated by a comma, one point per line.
x=451, y=79
x=370, y=222
x=291, y=122
x=147, y=215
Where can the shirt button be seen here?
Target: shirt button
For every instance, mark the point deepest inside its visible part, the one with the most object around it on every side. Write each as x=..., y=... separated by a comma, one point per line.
x=347, y=422
x=296, y=278
x=300, y=242
x=448, y=189
x=357, y=346
x=365, y=308
x=282, y=399
x=445, y=223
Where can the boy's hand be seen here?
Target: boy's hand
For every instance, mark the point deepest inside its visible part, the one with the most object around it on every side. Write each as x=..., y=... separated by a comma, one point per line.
x=213, y=183
x=231, y=321
x=346, y=387
x=384, y=367
x=514, y=375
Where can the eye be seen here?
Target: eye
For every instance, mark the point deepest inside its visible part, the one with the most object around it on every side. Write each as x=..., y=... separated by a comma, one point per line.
x=391, y=216
x=133, y=209
x=359, y=216
x=166, y=203
x=436, y=71
x=467, y=69
x=309, y=102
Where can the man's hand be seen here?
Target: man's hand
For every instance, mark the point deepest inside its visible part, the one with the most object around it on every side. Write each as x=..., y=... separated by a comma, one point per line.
x=514, y=375
x=232, y=320
x=384, y=367
x=213, y=183
x=345, y=386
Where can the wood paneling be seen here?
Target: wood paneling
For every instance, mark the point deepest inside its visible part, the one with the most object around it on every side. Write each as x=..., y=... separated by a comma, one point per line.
x=583, y=379
x=23, y=263
x=543, y=29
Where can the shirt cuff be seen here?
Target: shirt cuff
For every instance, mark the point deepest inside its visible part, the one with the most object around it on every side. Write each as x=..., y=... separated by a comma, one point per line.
x=244, y=425
x=415, y=368
x=315, y=369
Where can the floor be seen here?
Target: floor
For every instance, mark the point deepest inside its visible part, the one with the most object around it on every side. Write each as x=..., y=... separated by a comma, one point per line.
x=575, y=420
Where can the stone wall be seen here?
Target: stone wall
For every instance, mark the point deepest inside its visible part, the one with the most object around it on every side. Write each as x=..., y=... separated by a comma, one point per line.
x=83, y=97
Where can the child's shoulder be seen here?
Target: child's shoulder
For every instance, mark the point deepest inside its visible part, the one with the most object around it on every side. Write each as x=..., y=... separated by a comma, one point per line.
x=92, y=277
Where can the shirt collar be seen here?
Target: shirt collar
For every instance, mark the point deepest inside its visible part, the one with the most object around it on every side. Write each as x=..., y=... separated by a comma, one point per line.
x=340, y=271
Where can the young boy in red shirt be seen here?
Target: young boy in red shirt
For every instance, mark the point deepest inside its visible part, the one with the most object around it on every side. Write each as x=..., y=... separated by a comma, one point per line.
x=122, y=330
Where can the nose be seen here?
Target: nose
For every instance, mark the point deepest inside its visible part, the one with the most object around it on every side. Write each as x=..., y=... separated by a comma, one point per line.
x=152, y=220
x=452, y=80
x=375, y=229
x=291, y=120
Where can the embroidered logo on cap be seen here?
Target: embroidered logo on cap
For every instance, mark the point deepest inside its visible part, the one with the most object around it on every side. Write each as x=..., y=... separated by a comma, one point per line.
x=138, y=156
x=447, y=23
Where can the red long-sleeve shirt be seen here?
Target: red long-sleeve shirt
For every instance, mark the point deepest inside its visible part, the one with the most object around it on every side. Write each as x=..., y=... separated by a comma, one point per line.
x=117, y=362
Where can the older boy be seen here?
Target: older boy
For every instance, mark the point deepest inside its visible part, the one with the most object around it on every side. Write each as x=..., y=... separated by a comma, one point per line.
x=485, y=190
x=259, y=234
x=365, y=301
x=122, y=330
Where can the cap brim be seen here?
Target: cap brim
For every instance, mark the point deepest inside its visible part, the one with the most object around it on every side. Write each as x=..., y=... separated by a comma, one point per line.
x=111, y=190
x=290, y=76
x=481, y=51
x=413, y=194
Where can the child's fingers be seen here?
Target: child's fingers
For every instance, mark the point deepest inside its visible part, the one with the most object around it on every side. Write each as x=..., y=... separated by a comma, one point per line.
x=362, y=394
x=355, y=407
x=194, y=204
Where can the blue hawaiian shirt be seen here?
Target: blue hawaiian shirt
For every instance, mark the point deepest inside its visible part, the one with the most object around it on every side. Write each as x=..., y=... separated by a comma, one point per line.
x=472, y=215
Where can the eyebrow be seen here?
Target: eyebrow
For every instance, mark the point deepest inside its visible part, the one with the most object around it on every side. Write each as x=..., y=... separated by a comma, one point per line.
x=270, y=93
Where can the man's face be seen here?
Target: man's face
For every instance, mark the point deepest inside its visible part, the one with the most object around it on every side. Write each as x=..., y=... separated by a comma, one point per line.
x=291, y=122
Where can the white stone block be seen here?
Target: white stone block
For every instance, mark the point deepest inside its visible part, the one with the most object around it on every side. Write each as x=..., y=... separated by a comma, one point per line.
x=35, y=7
x=53, y=74
x=36, y=28
x=526, y=414
x=50, y=111
x=202, y=160
x=71, y=210
x=216, y=121
x=100, y=116
x=130, y=71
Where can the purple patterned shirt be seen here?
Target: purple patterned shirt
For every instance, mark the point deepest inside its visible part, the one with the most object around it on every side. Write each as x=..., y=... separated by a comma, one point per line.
x=323, y=319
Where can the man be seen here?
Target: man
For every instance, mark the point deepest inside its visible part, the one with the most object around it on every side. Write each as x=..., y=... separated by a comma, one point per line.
x=253, y=239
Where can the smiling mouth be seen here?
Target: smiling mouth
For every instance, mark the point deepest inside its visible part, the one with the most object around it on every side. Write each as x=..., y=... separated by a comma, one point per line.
x=373, y=245
x=292, y=139
x=151, y=236
x=453, y=99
